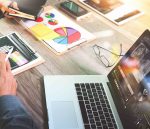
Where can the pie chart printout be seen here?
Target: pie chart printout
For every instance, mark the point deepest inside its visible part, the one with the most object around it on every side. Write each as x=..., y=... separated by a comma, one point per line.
x=67, y=35
x=39, y=19
x=49, y=15
x=52, y=22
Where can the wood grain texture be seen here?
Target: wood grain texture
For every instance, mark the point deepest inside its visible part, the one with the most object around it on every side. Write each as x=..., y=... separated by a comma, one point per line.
x=79, y=61
x=31, y=93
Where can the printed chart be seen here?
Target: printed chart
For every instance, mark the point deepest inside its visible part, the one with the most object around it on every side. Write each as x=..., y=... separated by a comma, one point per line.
x=57, y=31
x=67, y=35
x=53, y=22
x=39, y=19
x=49, y=15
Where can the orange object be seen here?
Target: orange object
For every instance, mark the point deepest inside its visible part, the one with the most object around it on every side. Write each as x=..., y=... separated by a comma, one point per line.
x=2, y=7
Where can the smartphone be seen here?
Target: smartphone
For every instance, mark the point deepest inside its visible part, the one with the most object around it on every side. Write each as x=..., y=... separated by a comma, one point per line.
x=73, y=9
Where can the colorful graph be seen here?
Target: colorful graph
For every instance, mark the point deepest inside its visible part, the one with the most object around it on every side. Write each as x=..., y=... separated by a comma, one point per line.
x=67, y=35
x=39, y=19
x=49, y=15
x=53, y=22
x=17, y=58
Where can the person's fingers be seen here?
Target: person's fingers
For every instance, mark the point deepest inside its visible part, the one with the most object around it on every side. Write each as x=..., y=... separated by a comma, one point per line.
x=2, y=64
x=8, y=67
x=6, y=10
x=2, y=68
x=5, y=6
x=15, y=5
x=2, y=56
x=6, y=15
x=7, y=3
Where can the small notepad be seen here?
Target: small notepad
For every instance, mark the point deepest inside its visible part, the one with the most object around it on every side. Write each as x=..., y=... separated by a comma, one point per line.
x=42, y=32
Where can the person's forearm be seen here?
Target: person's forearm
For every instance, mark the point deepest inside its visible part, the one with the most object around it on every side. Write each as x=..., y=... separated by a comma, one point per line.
x=13, y=115
x=1, y=2
x=6, y=103
x=1, y=12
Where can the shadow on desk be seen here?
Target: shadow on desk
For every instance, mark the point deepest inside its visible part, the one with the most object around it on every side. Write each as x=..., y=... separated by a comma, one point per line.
x=31, y=92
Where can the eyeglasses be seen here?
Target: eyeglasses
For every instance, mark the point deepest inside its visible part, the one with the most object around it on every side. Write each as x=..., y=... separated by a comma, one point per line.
x=98, y=52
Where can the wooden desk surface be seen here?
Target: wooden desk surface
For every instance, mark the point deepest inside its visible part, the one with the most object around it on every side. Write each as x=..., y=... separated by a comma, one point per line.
x=78, y=61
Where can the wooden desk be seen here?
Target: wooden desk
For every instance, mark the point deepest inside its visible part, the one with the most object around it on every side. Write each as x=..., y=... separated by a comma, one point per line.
x=78, y=61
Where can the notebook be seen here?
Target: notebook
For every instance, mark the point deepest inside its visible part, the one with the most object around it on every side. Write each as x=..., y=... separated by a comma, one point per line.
x=119, y=100
x=31, y=8
x=118, y=12
x=59, y=33
x=23, y=57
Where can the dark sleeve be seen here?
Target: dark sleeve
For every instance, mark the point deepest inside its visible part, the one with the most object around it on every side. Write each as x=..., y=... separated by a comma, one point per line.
x=13, y=115
x=1, y=14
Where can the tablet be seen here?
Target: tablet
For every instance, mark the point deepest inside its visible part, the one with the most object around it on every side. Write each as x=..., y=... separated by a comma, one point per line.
x=117, y=12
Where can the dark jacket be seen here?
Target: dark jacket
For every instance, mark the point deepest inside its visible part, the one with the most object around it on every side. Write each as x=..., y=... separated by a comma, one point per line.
x=1, y=14
x=13, y=114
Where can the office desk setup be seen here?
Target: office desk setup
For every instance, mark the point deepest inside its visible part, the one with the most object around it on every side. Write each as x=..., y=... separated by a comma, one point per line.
x=79, y=61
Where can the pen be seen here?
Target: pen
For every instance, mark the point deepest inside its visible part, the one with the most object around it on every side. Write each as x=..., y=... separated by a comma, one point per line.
x=9, y=53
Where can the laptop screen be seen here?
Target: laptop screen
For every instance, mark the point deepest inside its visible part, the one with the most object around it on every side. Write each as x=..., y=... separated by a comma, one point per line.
x=130, y=85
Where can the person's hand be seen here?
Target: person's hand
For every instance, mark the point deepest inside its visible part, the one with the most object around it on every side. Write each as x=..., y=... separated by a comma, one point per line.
x=5, y=4
x=8, y=85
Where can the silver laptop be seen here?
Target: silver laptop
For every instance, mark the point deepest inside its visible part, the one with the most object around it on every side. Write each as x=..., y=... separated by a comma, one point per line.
x=120, y=100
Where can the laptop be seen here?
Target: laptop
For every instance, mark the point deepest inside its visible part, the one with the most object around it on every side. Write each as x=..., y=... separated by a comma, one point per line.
x=117, y=11
x=120, y=100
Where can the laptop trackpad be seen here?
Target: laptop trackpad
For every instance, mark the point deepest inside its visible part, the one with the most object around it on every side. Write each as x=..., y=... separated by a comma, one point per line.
x=64, y=116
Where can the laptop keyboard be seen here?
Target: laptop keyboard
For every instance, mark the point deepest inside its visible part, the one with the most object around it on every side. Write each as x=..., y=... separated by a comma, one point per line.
x=94, y=105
